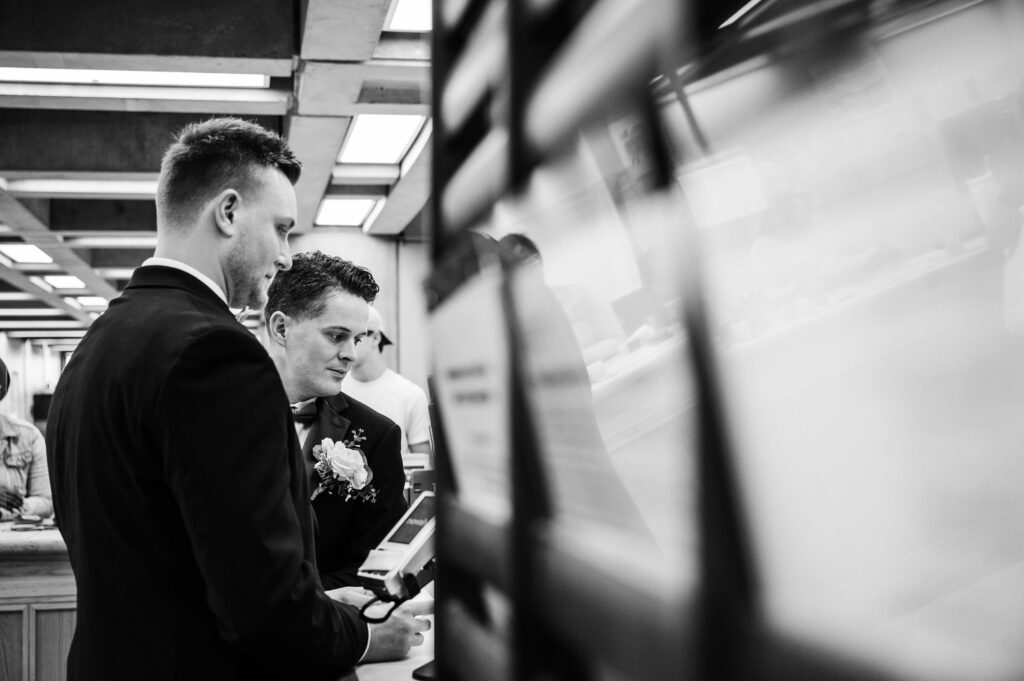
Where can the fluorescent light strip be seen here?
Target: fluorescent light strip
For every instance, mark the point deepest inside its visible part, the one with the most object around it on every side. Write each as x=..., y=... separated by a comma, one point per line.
x=25, y=253
x=112, y=241
x=82, y=188
x=24, y=335
x=380, y=138
x=344, y=212
x=6, y=324
x=153, y=78
x=32, y=312
x=411, y=15
x=739, y=13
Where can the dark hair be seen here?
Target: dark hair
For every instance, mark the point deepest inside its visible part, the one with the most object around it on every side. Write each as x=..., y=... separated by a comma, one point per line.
x=301, y=291
x=212, y=155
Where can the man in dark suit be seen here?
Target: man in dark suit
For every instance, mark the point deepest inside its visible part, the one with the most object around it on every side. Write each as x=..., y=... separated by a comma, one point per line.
x=177, y=477
x=316, y=314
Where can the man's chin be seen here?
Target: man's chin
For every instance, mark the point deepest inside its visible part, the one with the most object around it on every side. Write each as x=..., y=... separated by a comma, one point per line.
x=332, y=386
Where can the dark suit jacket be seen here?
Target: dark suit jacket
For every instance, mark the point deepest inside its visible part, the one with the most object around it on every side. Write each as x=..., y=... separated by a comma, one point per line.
x=347, y=530
x=181, y=492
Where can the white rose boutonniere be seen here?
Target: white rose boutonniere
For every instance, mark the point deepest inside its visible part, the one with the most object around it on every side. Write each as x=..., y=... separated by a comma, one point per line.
x=343, y=469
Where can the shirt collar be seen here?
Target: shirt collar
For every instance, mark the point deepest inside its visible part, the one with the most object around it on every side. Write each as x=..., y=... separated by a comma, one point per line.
x=188, y=269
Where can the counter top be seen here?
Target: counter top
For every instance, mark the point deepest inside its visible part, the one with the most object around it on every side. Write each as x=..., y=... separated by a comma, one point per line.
x=37, y=540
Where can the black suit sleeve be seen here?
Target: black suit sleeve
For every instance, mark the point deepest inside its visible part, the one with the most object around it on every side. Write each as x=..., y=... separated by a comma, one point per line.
x=372, y=522
x=227, y=455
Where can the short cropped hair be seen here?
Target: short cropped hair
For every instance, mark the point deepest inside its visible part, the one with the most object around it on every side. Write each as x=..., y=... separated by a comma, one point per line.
x=301, y=292
x=213, y=155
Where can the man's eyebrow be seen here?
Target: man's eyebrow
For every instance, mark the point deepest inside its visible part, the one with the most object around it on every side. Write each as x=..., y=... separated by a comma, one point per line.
x=343, y=328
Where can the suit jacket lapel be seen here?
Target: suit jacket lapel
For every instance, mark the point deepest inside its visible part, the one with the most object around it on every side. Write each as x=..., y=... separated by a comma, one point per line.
x=330, y=414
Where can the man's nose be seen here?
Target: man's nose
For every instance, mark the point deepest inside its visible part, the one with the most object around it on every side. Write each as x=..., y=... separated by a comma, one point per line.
x=283, y=261
x=347, y=350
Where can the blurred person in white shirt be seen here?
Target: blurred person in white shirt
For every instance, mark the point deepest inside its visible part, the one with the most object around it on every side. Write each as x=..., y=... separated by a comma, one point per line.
x=373, y=382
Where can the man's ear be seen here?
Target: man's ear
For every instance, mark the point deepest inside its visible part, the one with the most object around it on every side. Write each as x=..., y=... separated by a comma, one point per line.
x=277, y=328
x=225, y=209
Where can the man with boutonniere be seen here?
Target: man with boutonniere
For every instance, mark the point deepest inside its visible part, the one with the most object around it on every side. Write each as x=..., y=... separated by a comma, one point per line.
x=316, y=314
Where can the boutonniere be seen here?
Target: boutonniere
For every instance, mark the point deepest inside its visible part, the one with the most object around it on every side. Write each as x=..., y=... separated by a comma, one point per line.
x=343, y=469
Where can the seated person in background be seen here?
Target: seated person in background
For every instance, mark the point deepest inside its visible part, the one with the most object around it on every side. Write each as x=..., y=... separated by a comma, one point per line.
x=316, y=314
x=24, y=478
x=387, y=391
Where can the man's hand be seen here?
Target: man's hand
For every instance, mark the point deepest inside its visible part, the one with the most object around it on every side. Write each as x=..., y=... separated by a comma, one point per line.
x=391, y=640
x=10, y=499
x=353, y=595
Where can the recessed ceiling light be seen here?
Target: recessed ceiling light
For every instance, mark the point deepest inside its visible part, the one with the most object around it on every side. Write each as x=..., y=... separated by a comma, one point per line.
x=344, y=212
x=380, y=138
x=410, y=15
x=25, y=253
x=63, y=281
x=151, y=78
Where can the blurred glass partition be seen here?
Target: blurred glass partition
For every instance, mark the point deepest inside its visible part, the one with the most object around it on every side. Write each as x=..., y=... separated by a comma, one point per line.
x=857, y=189
x=595, y=297
x=471, y=382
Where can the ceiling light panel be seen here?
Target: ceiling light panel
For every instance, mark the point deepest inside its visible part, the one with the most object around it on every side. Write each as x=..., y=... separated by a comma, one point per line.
x=344, y=212
x=92, y=301
x=380, y=138
x=25, y=253
x=64, y=281
x=145, y=78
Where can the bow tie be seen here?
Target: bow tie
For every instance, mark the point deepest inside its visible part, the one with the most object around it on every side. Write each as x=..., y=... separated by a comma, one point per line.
x=304, y=413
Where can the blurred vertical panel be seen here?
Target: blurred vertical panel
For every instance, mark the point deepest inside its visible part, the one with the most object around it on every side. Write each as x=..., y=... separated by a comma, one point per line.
x=859, y=213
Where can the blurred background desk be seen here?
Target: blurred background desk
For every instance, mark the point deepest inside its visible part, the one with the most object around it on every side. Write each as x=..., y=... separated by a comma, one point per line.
x=37, y=604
